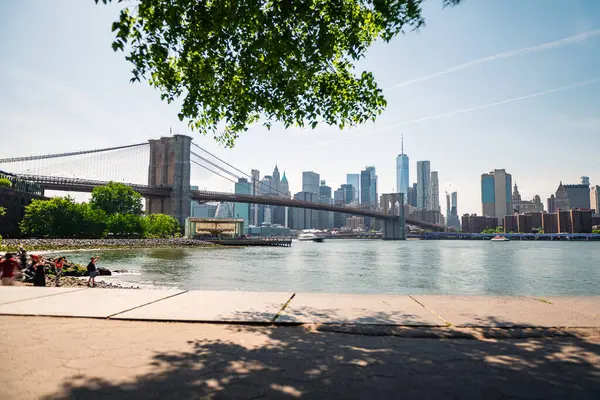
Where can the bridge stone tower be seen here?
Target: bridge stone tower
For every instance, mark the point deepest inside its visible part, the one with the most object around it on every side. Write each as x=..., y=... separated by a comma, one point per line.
x=393, y=204
x=169, y=166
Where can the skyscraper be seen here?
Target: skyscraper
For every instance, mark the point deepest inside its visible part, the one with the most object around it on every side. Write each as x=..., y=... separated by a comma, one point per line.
x=255, y=192
x=402, y=174
x=496, y=195
x=595, y=199
x=423, y=184
x=551, y=204
x=365, y=187
x=276, y=182
x=310, y=182
x=324, y=190
x=373, y=197
x=354, y=180
x=434, y=201
x=242, y=210
x=284, y=186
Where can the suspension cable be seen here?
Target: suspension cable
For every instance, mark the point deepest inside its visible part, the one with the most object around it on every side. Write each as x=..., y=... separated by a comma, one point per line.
x=240, y=171
x=58, y=155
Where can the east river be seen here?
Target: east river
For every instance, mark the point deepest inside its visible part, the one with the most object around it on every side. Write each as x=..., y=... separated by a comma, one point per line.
x=368, y=266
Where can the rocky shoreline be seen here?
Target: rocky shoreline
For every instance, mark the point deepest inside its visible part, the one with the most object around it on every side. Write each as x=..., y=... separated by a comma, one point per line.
x=82, y=244
x=71, y=282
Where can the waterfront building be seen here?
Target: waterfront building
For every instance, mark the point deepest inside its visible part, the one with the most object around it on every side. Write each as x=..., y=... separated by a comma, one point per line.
x=423, y=184
x=354, y=180
x=242, y=210
x=561, y=201
x=581, y=221
x=402, y=172
x=579, y=195
x=524, y=224
x=550, y=222
x=269, y=230
x=551, y=204
x=365, y=188
x=477, y=224
x=325, y=217
x=564, y=221
x=536, y=219
x=434, y=201
x=510, y=224
x=310, y=182
x=496, y=197
x=355, y=223
x=595, y=199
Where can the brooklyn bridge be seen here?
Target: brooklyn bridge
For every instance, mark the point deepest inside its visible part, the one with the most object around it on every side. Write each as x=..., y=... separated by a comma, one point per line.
x=170, y=163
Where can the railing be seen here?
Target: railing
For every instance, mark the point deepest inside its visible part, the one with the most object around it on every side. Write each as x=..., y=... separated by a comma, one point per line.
x=22, y=185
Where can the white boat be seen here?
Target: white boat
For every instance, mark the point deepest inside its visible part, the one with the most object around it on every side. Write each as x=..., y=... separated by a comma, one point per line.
x=499, y=238
x=309, y=237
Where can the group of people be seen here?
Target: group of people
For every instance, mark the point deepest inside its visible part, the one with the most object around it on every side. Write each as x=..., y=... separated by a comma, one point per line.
x=35, y=269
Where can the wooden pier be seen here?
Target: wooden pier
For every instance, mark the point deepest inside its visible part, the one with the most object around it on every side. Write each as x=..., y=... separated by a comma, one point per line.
x=278, y=242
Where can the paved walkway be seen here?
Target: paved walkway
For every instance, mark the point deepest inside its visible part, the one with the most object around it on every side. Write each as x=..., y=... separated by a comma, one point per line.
x=302, y=308
x=77, y=358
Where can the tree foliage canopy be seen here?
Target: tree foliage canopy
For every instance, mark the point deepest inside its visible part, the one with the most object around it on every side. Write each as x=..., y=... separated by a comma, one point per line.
x=239, y=61
x=62, y=217
x=116, y=198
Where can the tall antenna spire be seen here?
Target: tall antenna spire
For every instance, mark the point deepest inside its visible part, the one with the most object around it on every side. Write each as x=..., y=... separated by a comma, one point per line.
x=402, y=145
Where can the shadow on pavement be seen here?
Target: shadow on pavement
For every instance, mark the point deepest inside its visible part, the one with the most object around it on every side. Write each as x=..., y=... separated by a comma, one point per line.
x=296, y=362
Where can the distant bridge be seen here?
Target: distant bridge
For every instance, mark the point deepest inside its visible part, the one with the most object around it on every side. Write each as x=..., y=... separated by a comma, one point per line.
x=168, y=163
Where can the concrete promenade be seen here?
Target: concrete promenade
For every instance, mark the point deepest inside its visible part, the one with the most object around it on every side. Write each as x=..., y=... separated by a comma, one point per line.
x=302, y=308
x=348, y=346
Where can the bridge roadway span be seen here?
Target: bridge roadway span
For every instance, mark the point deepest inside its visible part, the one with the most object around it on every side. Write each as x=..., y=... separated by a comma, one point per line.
x=86, y=186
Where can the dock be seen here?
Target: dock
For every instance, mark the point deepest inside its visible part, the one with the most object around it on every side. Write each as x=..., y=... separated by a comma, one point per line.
x=273, y=242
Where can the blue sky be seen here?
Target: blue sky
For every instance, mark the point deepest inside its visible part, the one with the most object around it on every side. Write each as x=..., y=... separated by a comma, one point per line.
x=525, y=97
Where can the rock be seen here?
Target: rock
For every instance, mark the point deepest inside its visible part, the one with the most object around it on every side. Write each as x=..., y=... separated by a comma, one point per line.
x=103, y=271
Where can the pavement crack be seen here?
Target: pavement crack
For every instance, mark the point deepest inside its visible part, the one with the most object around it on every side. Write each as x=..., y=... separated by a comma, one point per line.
x=146, y=304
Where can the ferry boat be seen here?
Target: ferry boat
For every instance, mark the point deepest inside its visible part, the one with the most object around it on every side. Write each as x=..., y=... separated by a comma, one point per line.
x=310, y=237
x=499, y=238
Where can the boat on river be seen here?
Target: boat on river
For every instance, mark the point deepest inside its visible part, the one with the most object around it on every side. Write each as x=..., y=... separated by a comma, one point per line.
x=310, y=237
x=499, y=238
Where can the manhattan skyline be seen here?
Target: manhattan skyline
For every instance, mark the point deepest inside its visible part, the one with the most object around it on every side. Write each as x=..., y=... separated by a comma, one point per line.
x=479, y=88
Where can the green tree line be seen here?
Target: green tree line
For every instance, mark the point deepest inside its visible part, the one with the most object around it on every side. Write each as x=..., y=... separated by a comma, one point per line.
x=113, y=209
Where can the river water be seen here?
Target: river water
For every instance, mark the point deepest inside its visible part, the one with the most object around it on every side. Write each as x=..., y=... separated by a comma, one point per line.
x=368, y=266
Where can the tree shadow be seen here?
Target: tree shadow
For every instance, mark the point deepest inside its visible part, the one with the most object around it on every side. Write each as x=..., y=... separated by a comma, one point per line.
x=350, y=361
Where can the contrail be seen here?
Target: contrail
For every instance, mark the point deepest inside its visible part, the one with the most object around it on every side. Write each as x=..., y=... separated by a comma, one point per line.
x=497, y=103
x=526, y=50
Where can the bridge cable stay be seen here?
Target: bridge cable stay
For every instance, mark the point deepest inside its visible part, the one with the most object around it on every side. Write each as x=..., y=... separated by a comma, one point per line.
x=216, y=166
x=261, y=184
x=69, y=154
x=214, y=172
x=123, y=163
